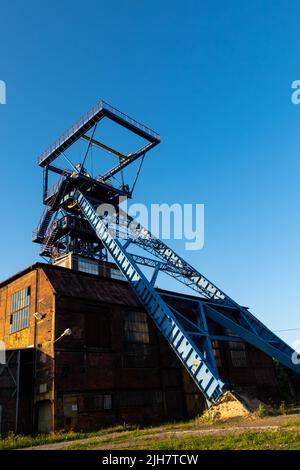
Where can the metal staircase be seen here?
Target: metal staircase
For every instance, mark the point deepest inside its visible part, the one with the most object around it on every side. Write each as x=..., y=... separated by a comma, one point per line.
x=39, y=233
x=49, y=238
x=53, y=198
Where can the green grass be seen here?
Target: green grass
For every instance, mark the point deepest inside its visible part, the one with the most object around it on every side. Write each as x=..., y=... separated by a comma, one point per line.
x=19, y=442
x=244, y=441
x=291, y=423
x=110, y=440
x=131, y=437
x=283, y=439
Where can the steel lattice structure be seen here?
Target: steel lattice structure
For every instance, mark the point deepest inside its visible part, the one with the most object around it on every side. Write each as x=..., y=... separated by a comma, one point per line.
x=71, y=221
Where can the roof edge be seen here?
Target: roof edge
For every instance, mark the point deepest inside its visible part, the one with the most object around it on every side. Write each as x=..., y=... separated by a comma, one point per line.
x=18, y=274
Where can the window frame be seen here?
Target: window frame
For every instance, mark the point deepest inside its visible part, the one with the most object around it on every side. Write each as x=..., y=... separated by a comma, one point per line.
x=86, y=263
x=132, y=332
x=116, y=274
x=95, y=398
x=20, y=303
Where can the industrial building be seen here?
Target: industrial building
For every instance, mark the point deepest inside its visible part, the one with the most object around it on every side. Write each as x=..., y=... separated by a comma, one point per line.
x=114, y=367
x=91, y=340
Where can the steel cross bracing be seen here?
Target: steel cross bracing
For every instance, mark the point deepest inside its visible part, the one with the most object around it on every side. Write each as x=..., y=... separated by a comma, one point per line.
x=222, y=309
x=177, y=332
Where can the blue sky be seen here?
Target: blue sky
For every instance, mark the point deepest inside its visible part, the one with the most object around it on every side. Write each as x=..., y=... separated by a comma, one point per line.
x=214, y=78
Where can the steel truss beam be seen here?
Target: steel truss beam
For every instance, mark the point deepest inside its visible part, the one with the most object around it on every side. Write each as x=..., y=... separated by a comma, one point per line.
x=229, y=312
x=173, y=326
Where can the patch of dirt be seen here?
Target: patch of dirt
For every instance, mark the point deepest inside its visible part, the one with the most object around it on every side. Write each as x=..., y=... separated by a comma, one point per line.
x=232, y=406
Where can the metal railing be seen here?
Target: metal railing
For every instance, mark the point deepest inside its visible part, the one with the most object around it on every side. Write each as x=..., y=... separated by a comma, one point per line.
x=88, y=117
x=71, y=131
x=130, y=120
x=46, y=211
x=56, y=187
x=51, y=193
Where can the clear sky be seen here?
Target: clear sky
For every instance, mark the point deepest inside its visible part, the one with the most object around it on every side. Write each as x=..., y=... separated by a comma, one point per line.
x=214, y=79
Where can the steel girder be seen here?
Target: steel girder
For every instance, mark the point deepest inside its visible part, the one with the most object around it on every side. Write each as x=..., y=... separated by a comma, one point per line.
x=177, y=330
x=223, y=309
x=191, y=341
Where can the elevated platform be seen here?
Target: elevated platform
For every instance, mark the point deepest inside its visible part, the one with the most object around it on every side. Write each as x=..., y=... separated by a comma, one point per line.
x=98, y=191
x=87, y=121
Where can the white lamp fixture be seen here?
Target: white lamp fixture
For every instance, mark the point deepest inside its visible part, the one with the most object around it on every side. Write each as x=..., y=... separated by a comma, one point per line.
x=67, y=332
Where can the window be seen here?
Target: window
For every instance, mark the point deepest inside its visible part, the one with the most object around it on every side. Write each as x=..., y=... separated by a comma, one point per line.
x=116, y=274
x=88, y=266
x=238, y=354
x=139, y=355
x=97, y=329
x=19, y=310
x=98, y=402
x=136, y=327
x=70, y=406
x=140, y=398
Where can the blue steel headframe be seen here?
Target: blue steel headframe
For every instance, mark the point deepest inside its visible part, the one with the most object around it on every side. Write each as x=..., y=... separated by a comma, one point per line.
x=191, y=341
x=100, y=183
x=203, y=372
